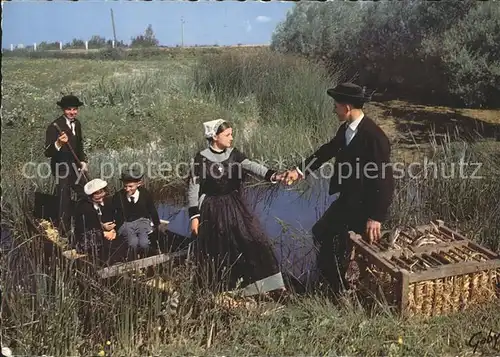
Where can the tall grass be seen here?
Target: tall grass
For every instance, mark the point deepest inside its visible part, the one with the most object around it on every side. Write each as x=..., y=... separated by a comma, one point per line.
x=288, y=90
x=456, y=183
x=48, y=308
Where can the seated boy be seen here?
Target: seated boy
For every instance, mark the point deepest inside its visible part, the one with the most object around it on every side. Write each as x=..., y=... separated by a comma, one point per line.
x=135, y=213
x=93, y=219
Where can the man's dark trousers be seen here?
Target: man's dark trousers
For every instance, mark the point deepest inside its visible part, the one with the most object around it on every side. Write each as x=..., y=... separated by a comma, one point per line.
x=331, y=237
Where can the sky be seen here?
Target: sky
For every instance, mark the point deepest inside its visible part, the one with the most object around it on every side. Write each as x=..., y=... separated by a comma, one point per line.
x=205, y=23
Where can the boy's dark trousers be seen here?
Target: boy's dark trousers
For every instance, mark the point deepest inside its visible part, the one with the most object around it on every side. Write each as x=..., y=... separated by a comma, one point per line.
x=64, y=184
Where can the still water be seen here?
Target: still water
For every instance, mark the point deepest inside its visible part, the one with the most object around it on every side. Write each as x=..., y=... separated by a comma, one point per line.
x=287, y=216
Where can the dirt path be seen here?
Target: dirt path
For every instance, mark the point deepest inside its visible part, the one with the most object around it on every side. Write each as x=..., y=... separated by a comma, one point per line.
x=413, y=127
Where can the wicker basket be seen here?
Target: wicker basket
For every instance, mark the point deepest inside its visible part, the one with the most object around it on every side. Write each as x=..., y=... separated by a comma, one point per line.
x=429, y=270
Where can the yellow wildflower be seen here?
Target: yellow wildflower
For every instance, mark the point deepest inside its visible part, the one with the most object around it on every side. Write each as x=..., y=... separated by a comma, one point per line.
x=101, y=353
x=400, y=340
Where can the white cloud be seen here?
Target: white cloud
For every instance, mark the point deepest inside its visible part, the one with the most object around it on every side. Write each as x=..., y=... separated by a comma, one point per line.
x=262, y=18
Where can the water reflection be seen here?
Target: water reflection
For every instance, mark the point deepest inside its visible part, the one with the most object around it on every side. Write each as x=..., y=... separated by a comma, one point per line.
x=287, y=215
x=6, y=240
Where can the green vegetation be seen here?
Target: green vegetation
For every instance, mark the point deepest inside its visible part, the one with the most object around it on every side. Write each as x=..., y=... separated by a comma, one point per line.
x=152, y=110
x=406, y=48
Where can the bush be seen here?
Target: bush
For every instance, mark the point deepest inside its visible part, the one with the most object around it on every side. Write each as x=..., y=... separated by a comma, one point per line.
x=409, y=48
x=287, y=89
x=469, y=53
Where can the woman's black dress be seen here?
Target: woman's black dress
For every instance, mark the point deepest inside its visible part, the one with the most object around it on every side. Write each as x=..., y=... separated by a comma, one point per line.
x=231, y=243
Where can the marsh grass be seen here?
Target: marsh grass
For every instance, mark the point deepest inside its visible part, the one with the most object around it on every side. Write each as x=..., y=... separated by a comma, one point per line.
x=85, y=312
x=288, y=90
x=455, y=183
x=54, y=311
x=278, y=107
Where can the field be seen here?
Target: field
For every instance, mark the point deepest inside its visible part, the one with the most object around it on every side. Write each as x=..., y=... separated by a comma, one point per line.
x=151, y=110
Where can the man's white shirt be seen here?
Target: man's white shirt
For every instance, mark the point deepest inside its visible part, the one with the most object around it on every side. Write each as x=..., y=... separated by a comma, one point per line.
x=352, y=129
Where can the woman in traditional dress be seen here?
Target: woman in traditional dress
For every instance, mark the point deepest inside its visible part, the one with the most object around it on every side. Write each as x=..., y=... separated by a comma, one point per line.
x=230, y=242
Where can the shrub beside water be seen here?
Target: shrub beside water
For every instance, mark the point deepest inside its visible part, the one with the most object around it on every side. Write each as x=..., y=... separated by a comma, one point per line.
x=288, y=90
x=469, y=55
x=446, y=50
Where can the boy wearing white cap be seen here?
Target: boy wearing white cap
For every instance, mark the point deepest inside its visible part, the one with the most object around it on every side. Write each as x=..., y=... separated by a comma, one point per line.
x=94, y=218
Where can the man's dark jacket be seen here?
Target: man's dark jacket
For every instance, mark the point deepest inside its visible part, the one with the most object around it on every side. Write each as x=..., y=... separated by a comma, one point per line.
x=366, y=183
x=64, y=155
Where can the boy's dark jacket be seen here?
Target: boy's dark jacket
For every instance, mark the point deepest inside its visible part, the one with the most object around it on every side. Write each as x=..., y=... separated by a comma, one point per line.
x=144, y=207
x=86, y=217
x=64, y=155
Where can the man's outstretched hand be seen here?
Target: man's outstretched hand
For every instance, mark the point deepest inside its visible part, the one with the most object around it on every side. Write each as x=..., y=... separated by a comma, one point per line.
x=291, y=176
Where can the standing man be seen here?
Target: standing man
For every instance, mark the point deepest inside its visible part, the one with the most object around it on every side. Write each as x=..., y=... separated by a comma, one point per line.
x=68, y=162
x=363, y=179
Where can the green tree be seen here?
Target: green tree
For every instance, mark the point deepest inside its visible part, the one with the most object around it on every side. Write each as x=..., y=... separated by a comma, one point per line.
x=146, y=40
x=97, y=42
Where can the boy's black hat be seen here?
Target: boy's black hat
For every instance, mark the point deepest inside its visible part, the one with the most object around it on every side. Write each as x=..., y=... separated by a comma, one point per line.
x=132, y=174
x=69, y=101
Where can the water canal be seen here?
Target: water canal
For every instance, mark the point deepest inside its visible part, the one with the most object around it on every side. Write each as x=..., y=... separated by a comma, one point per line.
x=287, y=216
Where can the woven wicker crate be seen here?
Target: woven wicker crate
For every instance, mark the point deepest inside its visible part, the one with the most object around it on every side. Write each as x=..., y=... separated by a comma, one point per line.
x=428, y=270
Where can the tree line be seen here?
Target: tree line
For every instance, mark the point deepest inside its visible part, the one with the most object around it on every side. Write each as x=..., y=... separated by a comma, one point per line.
x=147, y=39
x=447, y=50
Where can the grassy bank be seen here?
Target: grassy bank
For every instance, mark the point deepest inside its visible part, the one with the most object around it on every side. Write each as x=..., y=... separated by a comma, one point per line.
x=152, y=112
x=63, y=314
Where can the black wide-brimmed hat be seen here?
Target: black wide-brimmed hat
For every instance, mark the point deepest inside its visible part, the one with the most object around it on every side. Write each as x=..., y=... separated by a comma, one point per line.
x=69, y=101
x=349, y=93
x=132, y=174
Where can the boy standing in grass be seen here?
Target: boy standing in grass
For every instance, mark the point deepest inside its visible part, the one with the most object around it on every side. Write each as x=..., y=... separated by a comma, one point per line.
x=135, y=213
x=64, y=141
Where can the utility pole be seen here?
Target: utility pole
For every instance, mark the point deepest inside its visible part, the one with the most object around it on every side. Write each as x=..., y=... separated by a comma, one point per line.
x=113, y=24
x=182, y=31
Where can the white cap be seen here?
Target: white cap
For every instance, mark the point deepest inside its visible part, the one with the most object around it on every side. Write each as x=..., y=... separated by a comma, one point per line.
x=6, y=351
x=211, y=127
x=94, y=186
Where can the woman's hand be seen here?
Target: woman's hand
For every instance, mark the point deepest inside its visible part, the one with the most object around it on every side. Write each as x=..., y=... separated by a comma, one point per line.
x=195, y=222
x=291, y=176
